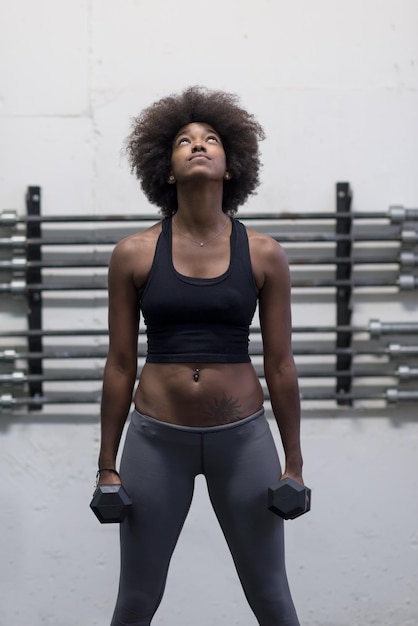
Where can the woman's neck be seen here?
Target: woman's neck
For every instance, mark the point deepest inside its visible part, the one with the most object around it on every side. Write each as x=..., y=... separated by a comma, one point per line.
x=200, y=205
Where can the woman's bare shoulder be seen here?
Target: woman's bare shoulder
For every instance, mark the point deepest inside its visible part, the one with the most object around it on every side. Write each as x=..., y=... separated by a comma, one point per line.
x=264, y=247
x=137, y=246
x=132, y=257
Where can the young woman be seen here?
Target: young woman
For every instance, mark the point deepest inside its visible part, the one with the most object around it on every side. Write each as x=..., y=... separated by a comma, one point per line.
x=197, y=276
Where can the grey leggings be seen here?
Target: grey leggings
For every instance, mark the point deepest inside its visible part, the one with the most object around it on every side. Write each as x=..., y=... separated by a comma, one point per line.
x=158, y=467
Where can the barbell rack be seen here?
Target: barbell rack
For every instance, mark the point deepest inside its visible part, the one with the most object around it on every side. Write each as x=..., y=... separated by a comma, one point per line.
x=34, y=252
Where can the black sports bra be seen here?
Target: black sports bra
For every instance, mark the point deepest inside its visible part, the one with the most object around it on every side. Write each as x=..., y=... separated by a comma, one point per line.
x=202, y=320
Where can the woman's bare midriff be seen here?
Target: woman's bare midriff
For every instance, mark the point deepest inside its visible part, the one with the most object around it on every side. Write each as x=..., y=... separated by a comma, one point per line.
x=198, y=394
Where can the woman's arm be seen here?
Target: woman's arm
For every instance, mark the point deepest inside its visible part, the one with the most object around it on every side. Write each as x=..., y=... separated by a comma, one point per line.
x=279, y=366
x=121, y=364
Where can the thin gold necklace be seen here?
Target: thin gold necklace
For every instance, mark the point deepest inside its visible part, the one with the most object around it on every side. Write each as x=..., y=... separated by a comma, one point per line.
x=201, y=243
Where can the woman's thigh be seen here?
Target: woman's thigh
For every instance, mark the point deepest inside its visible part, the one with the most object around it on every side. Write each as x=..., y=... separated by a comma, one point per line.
x=159, y=477
x=239, y=471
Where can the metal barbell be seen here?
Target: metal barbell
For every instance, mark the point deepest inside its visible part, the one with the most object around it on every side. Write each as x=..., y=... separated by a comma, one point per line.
x=405, y=236
x=376, y=328
x=395, y=214
x=391, y=395
x=84, y=352
x=18, y=286
x=404, y=259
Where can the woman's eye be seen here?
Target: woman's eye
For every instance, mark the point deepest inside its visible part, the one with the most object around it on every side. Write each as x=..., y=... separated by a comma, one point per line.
x=212, y=138
x=183, y=140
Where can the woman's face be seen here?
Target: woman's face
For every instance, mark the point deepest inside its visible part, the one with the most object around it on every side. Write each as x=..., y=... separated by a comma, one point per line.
x=197, y=152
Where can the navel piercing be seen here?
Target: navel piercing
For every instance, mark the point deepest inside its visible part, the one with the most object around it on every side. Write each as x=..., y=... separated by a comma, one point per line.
x=196, y=374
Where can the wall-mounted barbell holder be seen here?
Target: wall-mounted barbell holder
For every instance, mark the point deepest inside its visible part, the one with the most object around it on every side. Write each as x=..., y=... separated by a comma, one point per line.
x=32, y=284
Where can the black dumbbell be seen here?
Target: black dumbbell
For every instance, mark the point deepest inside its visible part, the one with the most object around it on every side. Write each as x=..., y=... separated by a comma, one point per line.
x=110, y=503
x=289, y=499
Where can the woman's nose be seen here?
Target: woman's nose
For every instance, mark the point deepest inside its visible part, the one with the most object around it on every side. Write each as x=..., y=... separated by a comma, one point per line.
x=198, y=146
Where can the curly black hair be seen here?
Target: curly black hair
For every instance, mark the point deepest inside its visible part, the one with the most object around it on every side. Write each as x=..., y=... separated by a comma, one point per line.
x=149, y=144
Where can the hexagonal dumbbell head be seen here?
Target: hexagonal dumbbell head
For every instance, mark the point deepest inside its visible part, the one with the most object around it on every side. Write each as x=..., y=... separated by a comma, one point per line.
x=110, y=503
x=289, y=499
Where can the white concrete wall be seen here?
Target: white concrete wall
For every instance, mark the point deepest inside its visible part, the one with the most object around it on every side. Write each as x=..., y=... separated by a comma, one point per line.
x=335, y=85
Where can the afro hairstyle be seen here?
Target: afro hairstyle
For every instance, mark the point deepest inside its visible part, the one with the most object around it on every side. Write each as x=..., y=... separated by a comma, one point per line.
x=149, y=145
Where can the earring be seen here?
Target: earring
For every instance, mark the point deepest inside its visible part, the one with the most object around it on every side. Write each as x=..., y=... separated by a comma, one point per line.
x=227, y=175
x=171, y=179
